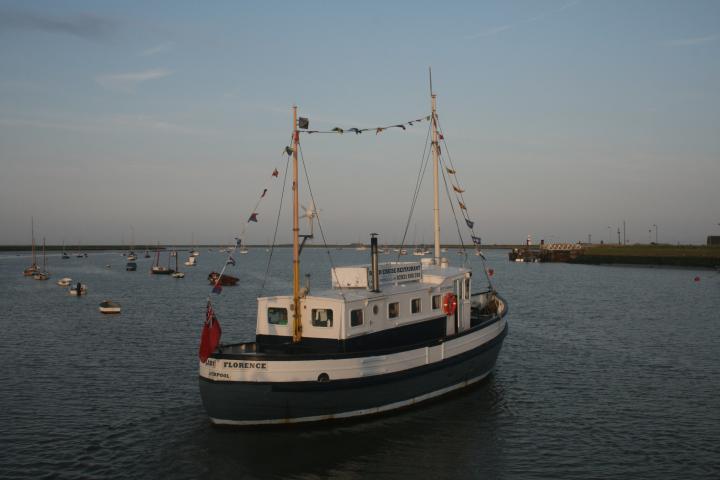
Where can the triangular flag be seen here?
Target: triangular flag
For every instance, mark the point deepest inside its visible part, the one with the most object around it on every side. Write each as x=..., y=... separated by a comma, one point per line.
x=462, y=205
x=469, y=223
x=450, y=170
x=476, y=240
x=275, y=173
x=263, y=193
x=289, y=150
x=379, y=130
x=458, y=190
x=338, y=130
x=253, y=218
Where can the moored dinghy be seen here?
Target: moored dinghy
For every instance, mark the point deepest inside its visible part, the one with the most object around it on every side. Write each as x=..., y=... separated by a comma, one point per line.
x=64, y=282
x=108, y=306
x=385, y=336
x=78, y=290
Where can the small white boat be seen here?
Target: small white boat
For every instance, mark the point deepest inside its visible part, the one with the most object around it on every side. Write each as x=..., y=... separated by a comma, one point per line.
x=243, y=251
x=191, y=261
x=108, y=306
x=178, y=275
x=79, y=289
x=64, y=282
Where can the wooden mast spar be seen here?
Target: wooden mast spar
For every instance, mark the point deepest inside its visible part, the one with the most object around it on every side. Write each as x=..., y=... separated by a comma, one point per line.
x=297, y=318
x=436, y=179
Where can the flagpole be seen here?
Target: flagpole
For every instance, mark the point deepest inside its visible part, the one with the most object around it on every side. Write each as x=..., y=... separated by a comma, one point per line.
x=297, y=325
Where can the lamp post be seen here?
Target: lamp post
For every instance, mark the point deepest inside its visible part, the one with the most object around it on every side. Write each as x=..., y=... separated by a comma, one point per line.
x=609, y=234
x=649, y=235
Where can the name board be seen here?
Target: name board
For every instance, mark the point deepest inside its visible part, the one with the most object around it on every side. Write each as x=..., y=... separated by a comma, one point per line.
x=398, y=272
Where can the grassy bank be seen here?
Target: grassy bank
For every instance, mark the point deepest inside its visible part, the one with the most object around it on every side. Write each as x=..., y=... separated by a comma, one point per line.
x=668, y=255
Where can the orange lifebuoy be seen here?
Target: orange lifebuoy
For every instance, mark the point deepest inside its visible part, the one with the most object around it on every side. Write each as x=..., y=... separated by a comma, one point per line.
x=449, y=303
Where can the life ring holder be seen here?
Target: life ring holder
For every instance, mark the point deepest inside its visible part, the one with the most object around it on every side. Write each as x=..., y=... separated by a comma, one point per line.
x=449, y=303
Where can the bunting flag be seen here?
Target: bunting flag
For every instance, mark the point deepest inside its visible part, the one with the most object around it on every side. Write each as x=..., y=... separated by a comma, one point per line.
x=476, y=240
x=253, y=218
x=450, y=170
x=358, y=131
x=440, y=136
x=230, y=261
x=338, y=130
x=469, y=223
x=210, y=336
x=289, y=150
x=275, y=173
x=462, y=205
x=379, y=130
x=458, y=190
x=217, y=289
x=263, y=193
x=303, y=123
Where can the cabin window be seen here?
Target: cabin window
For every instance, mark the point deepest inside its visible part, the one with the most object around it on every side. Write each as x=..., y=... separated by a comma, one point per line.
x=356, y=317
x=393, y=310
x=435, y=302
x=322, y=317
x=277, y=316
x=415, y=305
x=467, y=288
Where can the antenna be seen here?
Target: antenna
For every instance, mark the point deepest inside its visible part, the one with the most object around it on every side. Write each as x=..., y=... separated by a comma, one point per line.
x=430, y=72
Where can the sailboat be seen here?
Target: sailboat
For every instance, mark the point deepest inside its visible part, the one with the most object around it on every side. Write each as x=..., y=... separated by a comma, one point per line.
x=64, y=254
x=194, y=251
x=33, y=268
x=158, y=269
x=177, y=273
x=131, y=254
x=42, y=274
x=384, y=337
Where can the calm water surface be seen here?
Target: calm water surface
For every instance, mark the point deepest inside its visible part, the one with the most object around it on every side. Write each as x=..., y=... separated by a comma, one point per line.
x=607, y=372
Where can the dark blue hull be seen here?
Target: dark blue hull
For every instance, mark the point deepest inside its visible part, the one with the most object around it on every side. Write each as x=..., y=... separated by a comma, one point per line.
x=252, y=403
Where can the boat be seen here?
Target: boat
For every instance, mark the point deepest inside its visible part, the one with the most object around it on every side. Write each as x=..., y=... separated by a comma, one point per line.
x=33, y=268
x=177, y=273
x=131, y=266
x=243, y=250
x=131, y=257
x=108, y=306
x=225, y=280
x=158, y=269
x=78, y=290
x=64, y=282
x=147, y=254
x=64, y=254
x=42, y=274
x=385, y=336
x=191, y=261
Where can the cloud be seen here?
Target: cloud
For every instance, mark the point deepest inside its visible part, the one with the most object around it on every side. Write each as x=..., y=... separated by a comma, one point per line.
x=686, y=42
x=103, y=124
x=126, y=82
x=162, y=48
x=489, y=32
x=90, y=27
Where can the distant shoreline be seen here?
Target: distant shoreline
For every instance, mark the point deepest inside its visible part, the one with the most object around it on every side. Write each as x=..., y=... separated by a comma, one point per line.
x=138, y=248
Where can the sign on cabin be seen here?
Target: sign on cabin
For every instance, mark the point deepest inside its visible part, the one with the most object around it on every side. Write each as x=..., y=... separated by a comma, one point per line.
x=389, y=273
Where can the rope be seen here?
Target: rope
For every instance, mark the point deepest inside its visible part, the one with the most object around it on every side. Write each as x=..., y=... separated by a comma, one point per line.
x=418, y=183
x=277, y=225
x=317, y=215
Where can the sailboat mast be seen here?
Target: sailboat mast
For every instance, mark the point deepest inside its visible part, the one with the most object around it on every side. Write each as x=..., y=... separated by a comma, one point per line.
x=32, y=234
x=436, y=180
x=297, y=325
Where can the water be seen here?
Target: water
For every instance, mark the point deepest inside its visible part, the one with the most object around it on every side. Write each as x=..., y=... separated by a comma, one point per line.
x=607, y=372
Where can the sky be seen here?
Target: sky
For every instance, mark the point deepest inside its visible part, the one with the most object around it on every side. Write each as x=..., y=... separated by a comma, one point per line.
x=164, y=119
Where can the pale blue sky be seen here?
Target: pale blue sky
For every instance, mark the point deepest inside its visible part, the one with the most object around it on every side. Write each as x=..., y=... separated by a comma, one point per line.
x=562, y=117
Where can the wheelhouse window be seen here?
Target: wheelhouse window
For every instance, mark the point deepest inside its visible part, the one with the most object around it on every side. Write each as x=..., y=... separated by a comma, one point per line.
x=467, y=288
x=322, y=317
x=393, y=310
x=415, y=305
x=356, y=317
x=277, y=316
x=435, y=302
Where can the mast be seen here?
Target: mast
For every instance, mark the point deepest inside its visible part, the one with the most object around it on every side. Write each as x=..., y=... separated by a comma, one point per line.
x=297, y=325
x=32, y=233
x=44, y=262
x=436, y=184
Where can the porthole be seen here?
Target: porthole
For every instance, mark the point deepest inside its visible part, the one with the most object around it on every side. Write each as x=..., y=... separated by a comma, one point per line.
x=375, y=309
x=323, y=377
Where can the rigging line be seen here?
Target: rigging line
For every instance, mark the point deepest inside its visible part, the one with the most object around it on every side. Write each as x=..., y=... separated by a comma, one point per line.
x=317, y=215
x=338, y=130
x=277, y=225
x=418, y=183
x=457, y=224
